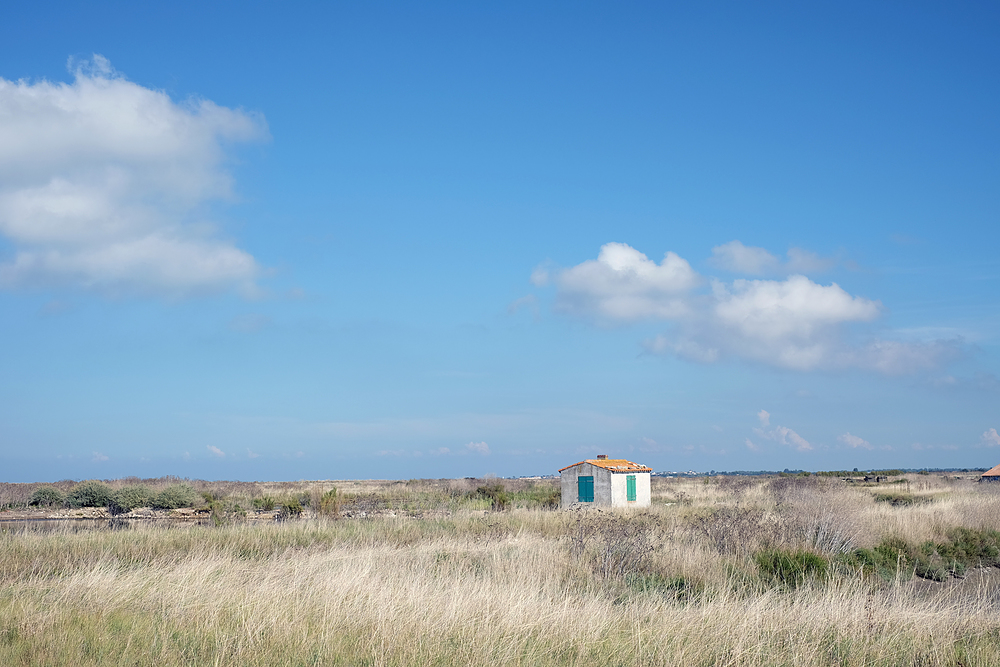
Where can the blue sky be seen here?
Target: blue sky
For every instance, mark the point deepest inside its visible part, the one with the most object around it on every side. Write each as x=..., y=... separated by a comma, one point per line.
x=303, y=241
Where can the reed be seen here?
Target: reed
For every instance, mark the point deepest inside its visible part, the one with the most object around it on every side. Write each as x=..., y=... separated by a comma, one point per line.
x=680, y=584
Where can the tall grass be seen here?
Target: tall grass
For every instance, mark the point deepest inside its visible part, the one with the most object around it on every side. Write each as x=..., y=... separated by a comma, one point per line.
x=669, y=586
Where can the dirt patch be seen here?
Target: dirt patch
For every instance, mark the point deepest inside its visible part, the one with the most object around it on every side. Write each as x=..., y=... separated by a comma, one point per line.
x=978, y=584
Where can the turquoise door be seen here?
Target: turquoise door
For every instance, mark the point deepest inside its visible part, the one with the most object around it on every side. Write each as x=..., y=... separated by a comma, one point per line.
x=585, y=488
x=630, y=488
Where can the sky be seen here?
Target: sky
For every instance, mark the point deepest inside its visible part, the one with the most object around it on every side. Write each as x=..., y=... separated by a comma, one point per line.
x=272, y=241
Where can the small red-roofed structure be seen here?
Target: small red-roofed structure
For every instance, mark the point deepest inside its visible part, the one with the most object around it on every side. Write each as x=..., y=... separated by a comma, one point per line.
x=991, y=475
x=605, y=482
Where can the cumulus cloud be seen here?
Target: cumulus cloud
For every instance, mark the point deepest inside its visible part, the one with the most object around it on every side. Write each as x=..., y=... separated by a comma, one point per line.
x=738, y=258
x=793, y=323
x=765, y=418
x=990, y=438
x=854, y=441
x=478, y=448
x=624, y=284
x=98, y=457
x=215, y=451
x=104, y=184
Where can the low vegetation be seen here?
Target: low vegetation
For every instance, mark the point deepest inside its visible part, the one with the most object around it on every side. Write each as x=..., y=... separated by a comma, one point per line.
x=759, y=571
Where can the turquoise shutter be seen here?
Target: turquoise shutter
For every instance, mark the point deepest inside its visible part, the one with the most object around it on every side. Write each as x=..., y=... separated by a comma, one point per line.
x=630, y=483
x=585, y=488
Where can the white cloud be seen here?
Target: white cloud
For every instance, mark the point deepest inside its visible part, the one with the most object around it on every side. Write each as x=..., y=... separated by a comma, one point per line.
x=98, y=457
x=540, y=276
x=793, y=323
x=530, y=302
x=104, y=185
x=779, y=434
x=252, y=454
x=806, y=261
x=786, y=436
x=738, y=258
x=478, y=448
x=215, y=450
x=752, y=447
x=990, y=438
x=624, y=284
x=854, y=441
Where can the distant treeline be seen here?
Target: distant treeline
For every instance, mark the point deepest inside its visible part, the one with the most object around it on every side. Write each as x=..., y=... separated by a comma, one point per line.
x=822, y=473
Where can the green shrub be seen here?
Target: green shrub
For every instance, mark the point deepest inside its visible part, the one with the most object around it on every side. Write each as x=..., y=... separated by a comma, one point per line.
x=790, y=569
x=291, y=509
x=674, y=588
x=90, y=493
x=496, y=494
x=132, y=496
x=47, y=496
x=129, y=497
x=175, y=496
x=329, y=504
x=544, y=496
x=896, y=499
x=265, y=503
x=893, y=557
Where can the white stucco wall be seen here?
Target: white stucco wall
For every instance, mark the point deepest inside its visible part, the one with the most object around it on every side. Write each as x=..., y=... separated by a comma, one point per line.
x=619, y=490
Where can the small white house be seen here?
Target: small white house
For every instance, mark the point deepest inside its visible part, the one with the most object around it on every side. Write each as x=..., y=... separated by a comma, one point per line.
x=606, y=482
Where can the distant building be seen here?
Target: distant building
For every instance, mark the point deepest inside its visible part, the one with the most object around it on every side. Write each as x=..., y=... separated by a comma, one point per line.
x=991, y=475
x=606, y=482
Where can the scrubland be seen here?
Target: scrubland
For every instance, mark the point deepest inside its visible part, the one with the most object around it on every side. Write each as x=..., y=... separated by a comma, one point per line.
x=719, y=571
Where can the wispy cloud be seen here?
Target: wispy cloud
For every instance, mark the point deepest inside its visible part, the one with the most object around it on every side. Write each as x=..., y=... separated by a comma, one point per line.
x=779, y=434
x=98, y=457
x=990, y=438
x=478, y=448
x=749, y=260
x=854, y=441
x=529, y=303
x=104, y=183
x=215, y=451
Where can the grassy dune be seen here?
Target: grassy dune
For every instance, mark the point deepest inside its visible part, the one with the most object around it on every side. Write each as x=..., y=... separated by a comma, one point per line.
x=428, y=577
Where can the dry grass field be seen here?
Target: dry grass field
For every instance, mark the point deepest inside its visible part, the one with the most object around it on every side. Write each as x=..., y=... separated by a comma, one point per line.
x=720, y=571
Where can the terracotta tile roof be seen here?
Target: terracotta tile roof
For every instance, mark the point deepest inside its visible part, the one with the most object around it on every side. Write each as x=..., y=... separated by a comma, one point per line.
x=614, y=465
x=992, y=472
